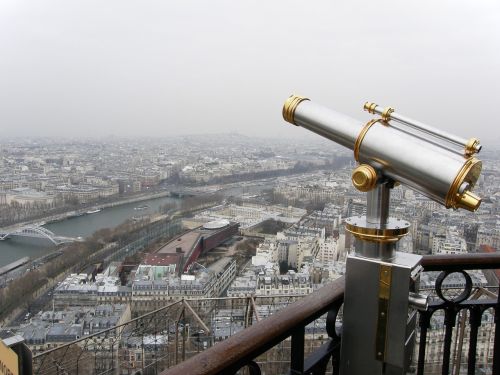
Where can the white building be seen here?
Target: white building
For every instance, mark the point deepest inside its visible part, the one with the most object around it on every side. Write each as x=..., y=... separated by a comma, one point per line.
x=292, y=283
x=451, y=243
x=328, y=250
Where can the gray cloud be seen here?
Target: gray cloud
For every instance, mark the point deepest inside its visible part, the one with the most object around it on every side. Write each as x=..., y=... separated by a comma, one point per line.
x=179, y=66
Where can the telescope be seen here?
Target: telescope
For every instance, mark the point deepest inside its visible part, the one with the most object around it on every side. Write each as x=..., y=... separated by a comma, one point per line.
x=381, y=284
x=408, y=152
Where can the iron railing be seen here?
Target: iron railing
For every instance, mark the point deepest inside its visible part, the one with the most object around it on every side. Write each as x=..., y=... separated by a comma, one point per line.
x=299, y=337
x=469, y=302
x=105, y=351
x=245, y=347
x=162, y=338
x=242, y=349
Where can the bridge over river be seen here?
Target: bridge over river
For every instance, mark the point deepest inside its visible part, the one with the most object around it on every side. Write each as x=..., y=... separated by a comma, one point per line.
x=36, y=231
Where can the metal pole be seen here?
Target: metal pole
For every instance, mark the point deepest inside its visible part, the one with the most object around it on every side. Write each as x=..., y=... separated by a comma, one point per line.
x=377, y=216
x=378, y=282
x=377, y=205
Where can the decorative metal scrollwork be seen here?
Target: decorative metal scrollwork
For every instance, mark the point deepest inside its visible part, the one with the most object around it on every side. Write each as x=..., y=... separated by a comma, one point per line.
x=333, y=328
x=253, y=368
x=459, y=298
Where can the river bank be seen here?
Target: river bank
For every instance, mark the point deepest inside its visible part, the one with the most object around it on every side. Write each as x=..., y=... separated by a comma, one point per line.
x=110, y=216
x=75, y=213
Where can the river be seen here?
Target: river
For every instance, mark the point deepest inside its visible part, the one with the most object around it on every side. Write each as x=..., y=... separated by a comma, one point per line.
x=83, y=226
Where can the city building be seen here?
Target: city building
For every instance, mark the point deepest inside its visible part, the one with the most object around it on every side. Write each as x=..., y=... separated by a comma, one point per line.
x=50, y=329
x=154, y=288
x=198, y=241
x=83, y=290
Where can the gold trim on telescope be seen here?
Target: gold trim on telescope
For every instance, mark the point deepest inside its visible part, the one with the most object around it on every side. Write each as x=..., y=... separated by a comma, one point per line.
x=386, y=114
x=384, y=295
x=471, y=147
x=390, y=232
x=370, y=107
x=376, y=235
x=290, y=106
x=468, y=174
x=361, y=136
x=364, y=177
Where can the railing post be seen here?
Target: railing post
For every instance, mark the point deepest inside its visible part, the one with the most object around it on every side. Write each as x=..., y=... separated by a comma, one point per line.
x=331, y=329
x=425, y=322
x=496, y=345
x=475, y=322
x=449, y=322
x=297, y=352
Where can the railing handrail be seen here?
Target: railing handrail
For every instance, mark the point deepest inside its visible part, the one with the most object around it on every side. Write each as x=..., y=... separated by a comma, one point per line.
x=166, y=307
x=232, y=353
x=258, y=338
x=239, y=349
x=456, y=262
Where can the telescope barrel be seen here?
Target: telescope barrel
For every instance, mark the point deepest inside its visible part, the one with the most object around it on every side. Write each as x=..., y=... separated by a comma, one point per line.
x=321, y=120
x=434, y=171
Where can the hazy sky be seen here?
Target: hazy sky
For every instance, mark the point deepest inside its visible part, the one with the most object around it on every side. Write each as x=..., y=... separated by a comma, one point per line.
x=85, y=68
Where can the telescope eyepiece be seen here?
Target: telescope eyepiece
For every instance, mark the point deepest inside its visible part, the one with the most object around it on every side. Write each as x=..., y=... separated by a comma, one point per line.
x=469, y=201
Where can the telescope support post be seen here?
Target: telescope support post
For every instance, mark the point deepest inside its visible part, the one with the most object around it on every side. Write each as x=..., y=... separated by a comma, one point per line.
x=379, y=321
x=377, y=204
x=377, y=213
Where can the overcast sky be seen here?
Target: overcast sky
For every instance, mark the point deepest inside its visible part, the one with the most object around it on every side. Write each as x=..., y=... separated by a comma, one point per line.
x=159, y=68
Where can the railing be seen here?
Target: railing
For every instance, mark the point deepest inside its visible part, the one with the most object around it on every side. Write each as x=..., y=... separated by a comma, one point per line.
x=173, y=339
x=467, y=301
x=160, y=339
x=242, y=349
x=105, y=351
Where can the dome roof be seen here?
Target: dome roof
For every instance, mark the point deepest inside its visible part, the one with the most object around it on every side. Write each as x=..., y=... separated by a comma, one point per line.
x=216, y=224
